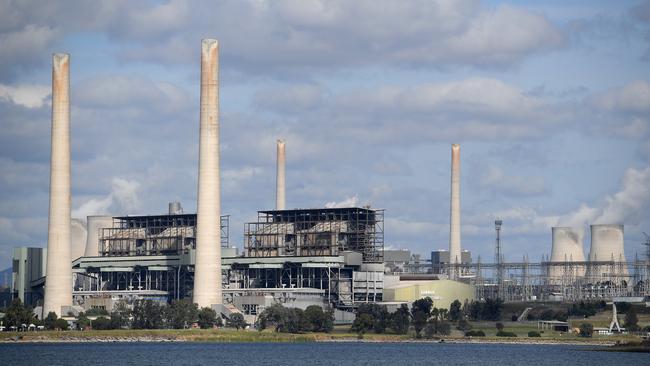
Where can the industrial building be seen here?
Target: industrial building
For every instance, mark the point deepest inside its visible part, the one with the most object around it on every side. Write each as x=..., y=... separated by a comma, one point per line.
x=332, y=257
x=28, y=270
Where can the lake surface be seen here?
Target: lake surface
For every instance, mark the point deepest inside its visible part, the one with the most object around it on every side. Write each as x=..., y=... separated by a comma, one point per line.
x=313, y=354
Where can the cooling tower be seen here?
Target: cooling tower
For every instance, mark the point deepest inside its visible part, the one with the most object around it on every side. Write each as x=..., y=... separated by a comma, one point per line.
x=94, y=226
x=454, y=222
x=566, y=247
x=207, y=273
x=79, y=235
x=280, y=200
x=58, y=283
x=607, y=244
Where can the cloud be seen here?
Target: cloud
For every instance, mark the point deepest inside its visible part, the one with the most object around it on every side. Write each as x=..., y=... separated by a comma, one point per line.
x=633, y=97
x=123, y=199
x=287, y=37
x=30, y=96
x=495, y=180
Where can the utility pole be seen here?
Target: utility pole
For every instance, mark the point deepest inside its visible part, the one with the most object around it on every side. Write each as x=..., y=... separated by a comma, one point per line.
x=498, y=259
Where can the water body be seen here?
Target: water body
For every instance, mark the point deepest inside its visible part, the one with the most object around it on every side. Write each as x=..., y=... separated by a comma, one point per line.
x=313, y=354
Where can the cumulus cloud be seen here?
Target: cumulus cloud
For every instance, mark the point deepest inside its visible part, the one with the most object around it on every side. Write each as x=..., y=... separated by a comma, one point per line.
x=633, y=97
x=30, y=96
x=123, y=199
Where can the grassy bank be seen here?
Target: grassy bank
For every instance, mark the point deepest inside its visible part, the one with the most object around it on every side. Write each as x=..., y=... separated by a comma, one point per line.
x=339, y=334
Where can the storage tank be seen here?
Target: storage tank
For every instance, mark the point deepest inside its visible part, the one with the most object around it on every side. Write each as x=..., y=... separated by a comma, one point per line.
x=78, y=235
x=566, y=247
x=95, y=224
x=607, y=243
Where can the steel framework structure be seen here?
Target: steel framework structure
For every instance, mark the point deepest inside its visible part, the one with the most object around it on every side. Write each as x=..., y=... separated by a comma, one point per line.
x=316, y=232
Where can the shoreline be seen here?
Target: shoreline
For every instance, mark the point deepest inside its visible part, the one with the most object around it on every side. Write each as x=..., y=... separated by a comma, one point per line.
x=254, y=337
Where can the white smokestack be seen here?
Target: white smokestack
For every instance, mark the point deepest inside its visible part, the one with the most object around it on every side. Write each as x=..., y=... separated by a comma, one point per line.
x=280, y=189
x=207, y=272
x=58, y=282
x=454, y=222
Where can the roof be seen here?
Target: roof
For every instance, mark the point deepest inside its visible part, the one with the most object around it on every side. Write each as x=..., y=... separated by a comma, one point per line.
x=320, y=210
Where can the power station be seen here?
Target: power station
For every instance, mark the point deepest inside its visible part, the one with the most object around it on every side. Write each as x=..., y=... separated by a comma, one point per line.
x=333, y=257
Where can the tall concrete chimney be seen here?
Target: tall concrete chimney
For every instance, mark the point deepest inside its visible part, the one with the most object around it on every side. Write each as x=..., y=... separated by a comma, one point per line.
x=454, y=222
x=280, y=189
x=207, y=272
x=58, y=282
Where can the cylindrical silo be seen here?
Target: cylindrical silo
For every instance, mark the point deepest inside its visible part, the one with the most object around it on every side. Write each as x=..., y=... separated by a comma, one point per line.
x=95, y=225
x=78, y=238
x=566, y=247
x=607, y=244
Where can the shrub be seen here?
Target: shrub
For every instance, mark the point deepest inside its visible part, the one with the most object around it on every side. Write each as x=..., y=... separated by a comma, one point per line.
x=463, y=325
x=207, y=318
x=534, y=334
x=475, y=333
x=499, y=326
x=503, y=333
x=61, y=324
x=102, y=323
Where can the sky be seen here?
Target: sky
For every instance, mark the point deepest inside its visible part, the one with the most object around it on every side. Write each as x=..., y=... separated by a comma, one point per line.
x=549, y=100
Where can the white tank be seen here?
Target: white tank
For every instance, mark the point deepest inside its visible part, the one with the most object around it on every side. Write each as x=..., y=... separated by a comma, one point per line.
x=78, y=236
x=607, y=243
x=566, y=247
x=95, y=224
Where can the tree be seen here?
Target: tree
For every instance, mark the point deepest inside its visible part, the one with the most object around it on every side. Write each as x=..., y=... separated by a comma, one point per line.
x=18, y=314
x=420, y=311
x=181, y=314
x=61, y=324
x=463, y=325
x=96, y=312
x=207, y=318
x=631, y=320
x=379, y=315
x=362, y=324
x=400, y=320
x=82, y=321
x=102, y=323
x=455, y=312
x=236, y=321
x=499, y=326
x=319, y=320
x=297, y=321
x=147, y=314
x=275, y=315
x=120, y=316
x=586, y=330
x=50, y=320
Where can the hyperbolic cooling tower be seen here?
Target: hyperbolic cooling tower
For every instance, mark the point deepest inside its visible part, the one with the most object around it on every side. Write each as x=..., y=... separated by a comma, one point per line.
x=567, y=247
x=207, y=273
x=280, y=189
x=94, y=226
x=58, y=283
x=79, y=235
x=454, y=222
x=607, y=244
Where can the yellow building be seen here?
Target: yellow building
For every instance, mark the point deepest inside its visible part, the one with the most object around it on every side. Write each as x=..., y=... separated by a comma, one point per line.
x=442, y=292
